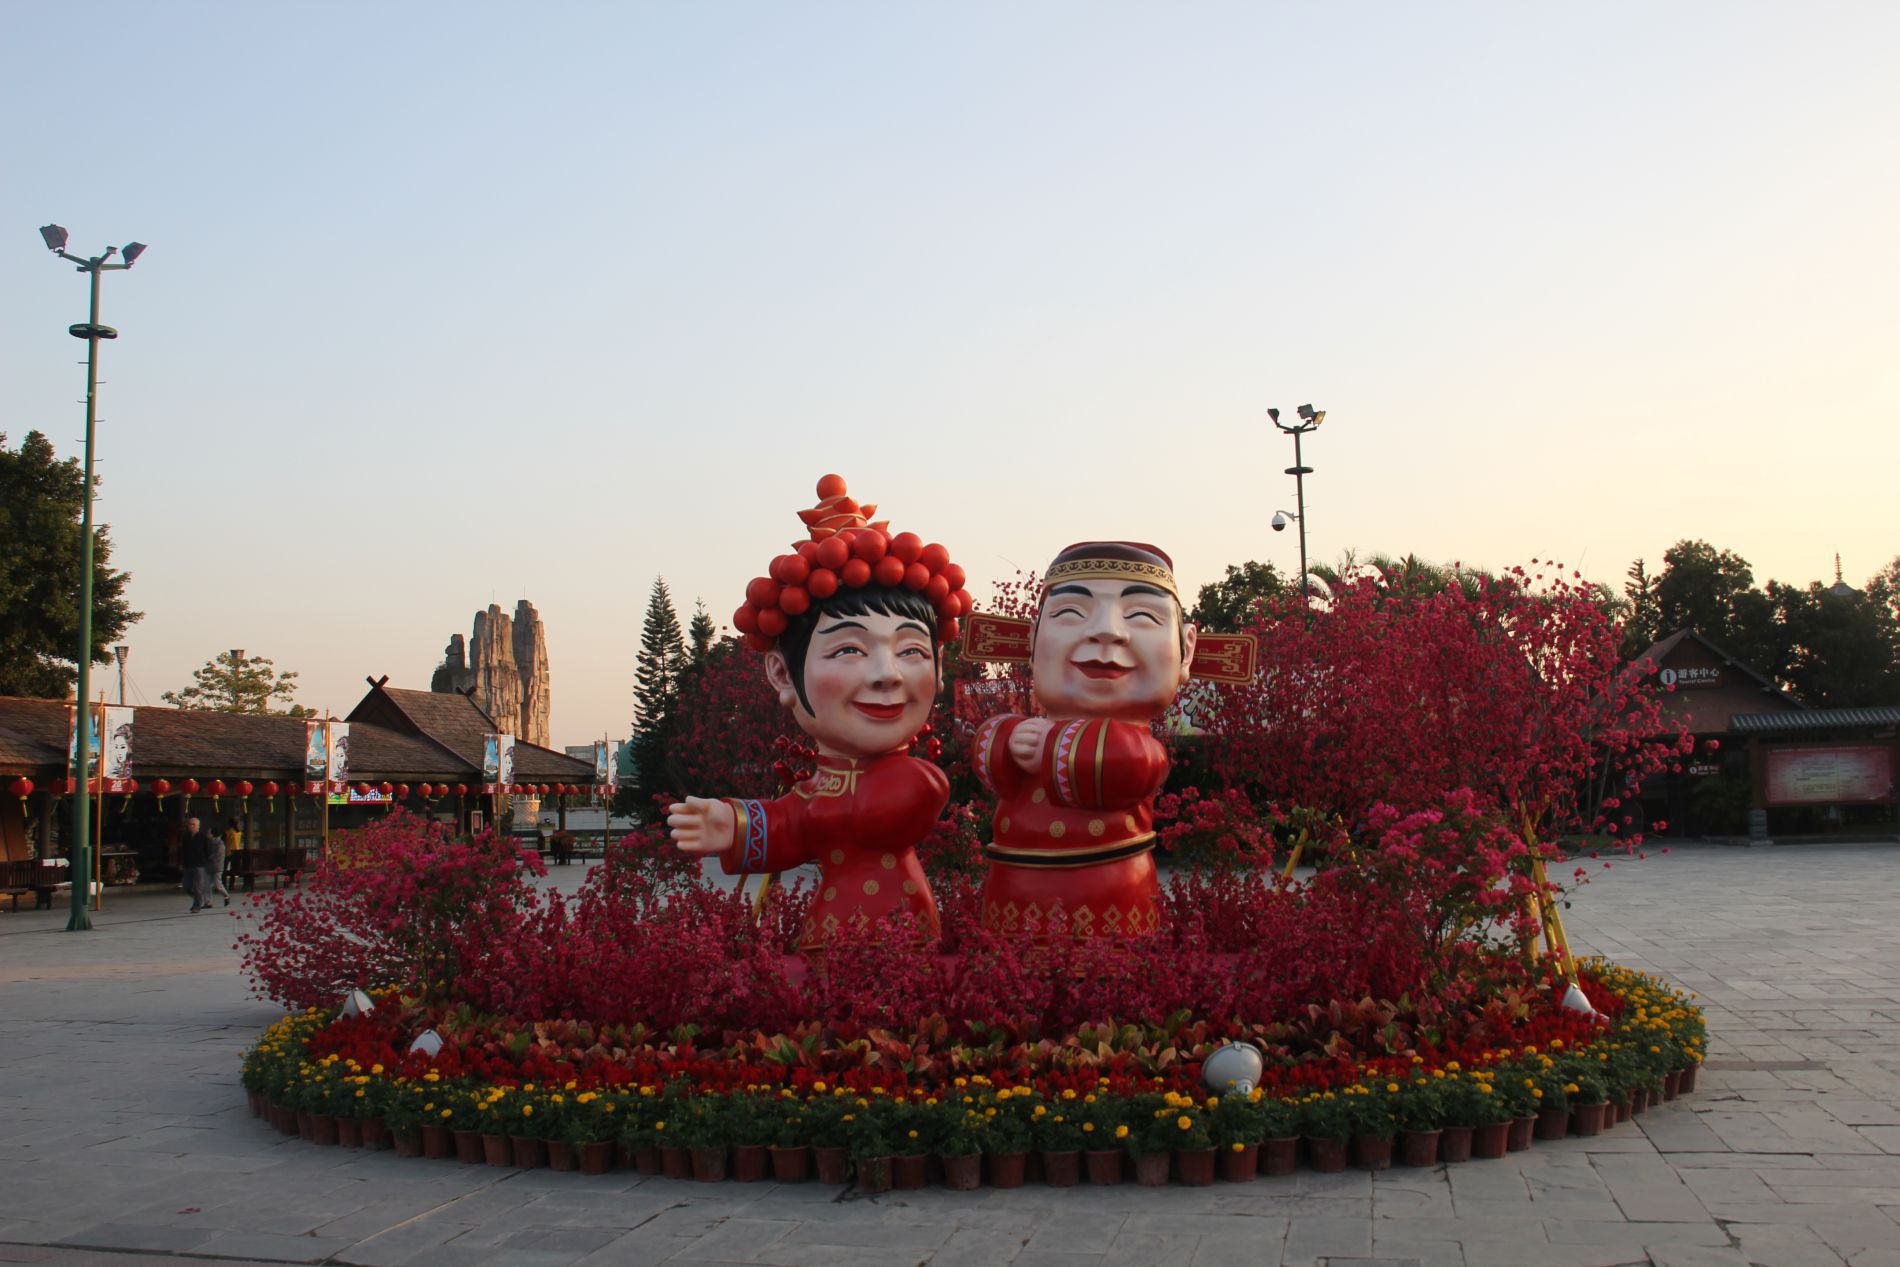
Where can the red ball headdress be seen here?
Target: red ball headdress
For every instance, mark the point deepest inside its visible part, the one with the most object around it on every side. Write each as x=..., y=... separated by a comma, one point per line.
x=846, y=550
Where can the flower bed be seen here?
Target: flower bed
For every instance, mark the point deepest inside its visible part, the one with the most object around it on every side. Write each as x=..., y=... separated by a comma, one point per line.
x=811, y=1096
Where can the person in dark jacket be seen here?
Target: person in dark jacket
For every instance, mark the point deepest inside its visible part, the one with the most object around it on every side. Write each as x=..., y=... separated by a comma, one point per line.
x=194, y=855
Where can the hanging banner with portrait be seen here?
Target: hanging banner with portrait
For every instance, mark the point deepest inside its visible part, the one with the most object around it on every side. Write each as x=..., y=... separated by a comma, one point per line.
x=93, y=722
x=339, y=755
x=506, y=766
x=117, y=768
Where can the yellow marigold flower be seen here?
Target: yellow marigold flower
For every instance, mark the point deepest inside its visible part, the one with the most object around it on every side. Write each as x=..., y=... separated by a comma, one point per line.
x=1121, y=1132
x=448, y=1113
x=816, y=1086
x=1238, y=1147
x=1391, y=1086
x=1088, y=1128
x=527, y=1110
x=1185, y=1122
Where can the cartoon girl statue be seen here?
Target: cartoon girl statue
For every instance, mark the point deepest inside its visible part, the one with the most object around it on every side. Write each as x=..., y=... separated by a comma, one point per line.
x=852, y=624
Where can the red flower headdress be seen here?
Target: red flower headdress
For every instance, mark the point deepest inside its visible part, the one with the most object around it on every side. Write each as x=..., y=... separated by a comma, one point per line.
x=848, y=551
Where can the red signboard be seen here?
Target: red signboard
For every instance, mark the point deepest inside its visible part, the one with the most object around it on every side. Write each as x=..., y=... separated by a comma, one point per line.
x=1851, y=775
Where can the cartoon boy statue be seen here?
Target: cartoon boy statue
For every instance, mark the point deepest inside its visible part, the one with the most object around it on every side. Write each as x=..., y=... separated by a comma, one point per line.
x=1075, y=787
x=851, y=623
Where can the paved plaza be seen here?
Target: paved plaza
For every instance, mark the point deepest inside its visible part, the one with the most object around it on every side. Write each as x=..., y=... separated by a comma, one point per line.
x=124, y=1138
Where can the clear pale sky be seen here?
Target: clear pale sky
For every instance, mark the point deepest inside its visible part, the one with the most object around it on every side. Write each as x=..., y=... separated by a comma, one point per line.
x=448, y=304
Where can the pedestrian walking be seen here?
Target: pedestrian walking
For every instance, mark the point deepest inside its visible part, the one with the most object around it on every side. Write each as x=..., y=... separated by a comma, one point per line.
x=233, y=838
x=194, y=855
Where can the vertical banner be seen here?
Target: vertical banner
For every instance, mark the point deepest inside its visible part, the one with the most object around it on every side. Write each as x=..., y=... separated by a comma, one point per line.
x=339, y=756
x=117, y=771
x=603, y=765
x=491, y=764
x=505, y=769
x=613, y=766
x=92, y=746
x=316, y=757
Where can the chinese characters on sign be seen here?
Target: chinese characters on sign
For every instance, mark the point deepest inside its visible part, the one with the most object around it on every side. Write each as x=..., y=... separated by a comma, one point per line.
x=1691, y=677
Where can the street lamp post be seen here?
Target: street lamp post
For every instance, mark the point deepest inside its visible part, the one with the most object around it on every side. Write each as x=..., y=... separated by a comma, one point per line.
x=91, y=331
x=1309, y=419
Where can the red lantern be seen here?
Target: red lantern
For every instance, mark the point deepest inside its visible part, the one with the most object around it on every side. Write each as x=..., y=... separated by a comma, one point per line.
x=362, y=789
x=385, y=788
x=461, y=789
x=191, y=787
x=402, y=791
x=162, y=787
x=21, y=788
x=270, y=788
x=542, y=790
x=244, y=788
x=217, y=787
x=426, y=790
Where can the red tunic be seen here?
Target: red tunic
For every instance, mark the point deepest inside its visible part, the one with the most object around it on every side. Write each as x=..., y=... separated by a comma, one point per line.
x=1078, y=832
x=860, y=822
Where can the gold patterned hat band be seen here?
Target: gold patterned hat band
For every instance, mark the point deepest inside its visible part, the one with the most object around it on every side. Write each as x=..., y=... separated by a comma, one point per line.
x=1112, y=561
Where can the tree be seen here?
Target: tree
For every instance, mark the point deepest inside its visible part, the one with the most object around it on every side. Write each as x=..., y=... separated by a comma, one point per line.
x=661, y=660
x=1642, y=617
x=700, y=633
x=233, y=682
x=1231, y=603
x=41, y=515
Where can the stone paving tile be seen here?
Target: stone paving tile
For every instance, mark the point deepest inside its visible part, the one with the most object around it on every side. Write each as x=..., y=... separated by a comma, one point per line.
x=1790, y=1151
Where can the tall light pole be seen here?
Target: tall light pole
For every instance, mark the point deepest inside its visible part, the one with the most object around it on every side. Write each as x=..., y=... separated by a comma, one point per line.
x=80, y=849
x=1309, y=419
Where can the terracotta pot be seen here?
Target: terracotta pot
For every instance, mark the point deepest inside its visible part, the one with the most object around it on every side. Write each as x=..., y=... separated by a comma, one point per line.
x=1491, y=1141
x=1104, y=1165
x=1454, y=1144
x=1518, y=1138
x=1280, y=1156
x=255, y=1099
x=791, y=1165
x=623, y=1156
x=375, y=1135
x=597, y=1156
x=647, y=1160
x=1553, y=1123
x=1418, y=1148
x=1196, y=1165
x=963, y=1174
x=349, y=1132
x=1672, y=1084
x=1687, y=1083
x=562, y=1156
x=1328, y=1156
x=874, y=1175
x=709, y=1163
x=1062, y=1170
x=1587, y=1119
x=529, y=1153
x=323, y=1129
x=495, y=1150
x=1151, y=1169
x=675, y=1161
x=468, y=1147
x=408, y=1143
x=909, y=1172
x=1007, y=1169
x=1623, y=1112
x=303, y=1124
x=437, y=1143
x=1240, y=1165
x=833, y=1164
x=281, y=1119
x=748, y=1162
x=1372, y=1152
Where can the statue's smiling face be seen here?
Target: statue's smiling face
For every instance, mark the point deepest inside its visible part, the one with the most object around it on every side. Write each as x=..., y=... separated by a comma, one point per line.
x=1109, y=648
x=870, y=678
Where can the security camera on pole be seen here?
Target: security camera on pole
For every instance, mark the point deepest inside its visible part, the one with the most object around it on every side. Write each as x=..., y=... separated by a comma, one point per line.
x=91, y=331
x=1310, y=418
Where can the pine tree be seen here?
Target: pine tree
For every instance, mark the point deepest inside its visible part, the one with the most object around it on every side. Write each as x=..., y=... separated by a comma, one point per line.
x=700, y=632
x=236, y=683
x=661, y=660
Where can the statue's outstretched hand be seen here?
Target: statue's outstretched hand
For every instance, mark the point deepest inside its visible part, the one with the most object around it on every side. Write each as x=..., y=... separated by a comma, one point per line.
x=1025, y=743
x=701, y=826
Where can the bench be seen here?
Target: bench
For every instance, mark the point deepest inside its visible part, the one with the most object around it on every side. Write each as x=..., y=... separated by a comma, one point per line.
x=41, y=879
x=247, y=865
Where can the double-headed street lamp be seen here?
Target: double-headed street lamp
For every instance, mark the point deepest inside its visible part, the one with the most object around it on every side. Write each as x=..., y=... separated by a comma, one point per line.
x=1309, y=419
x=80, y=850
